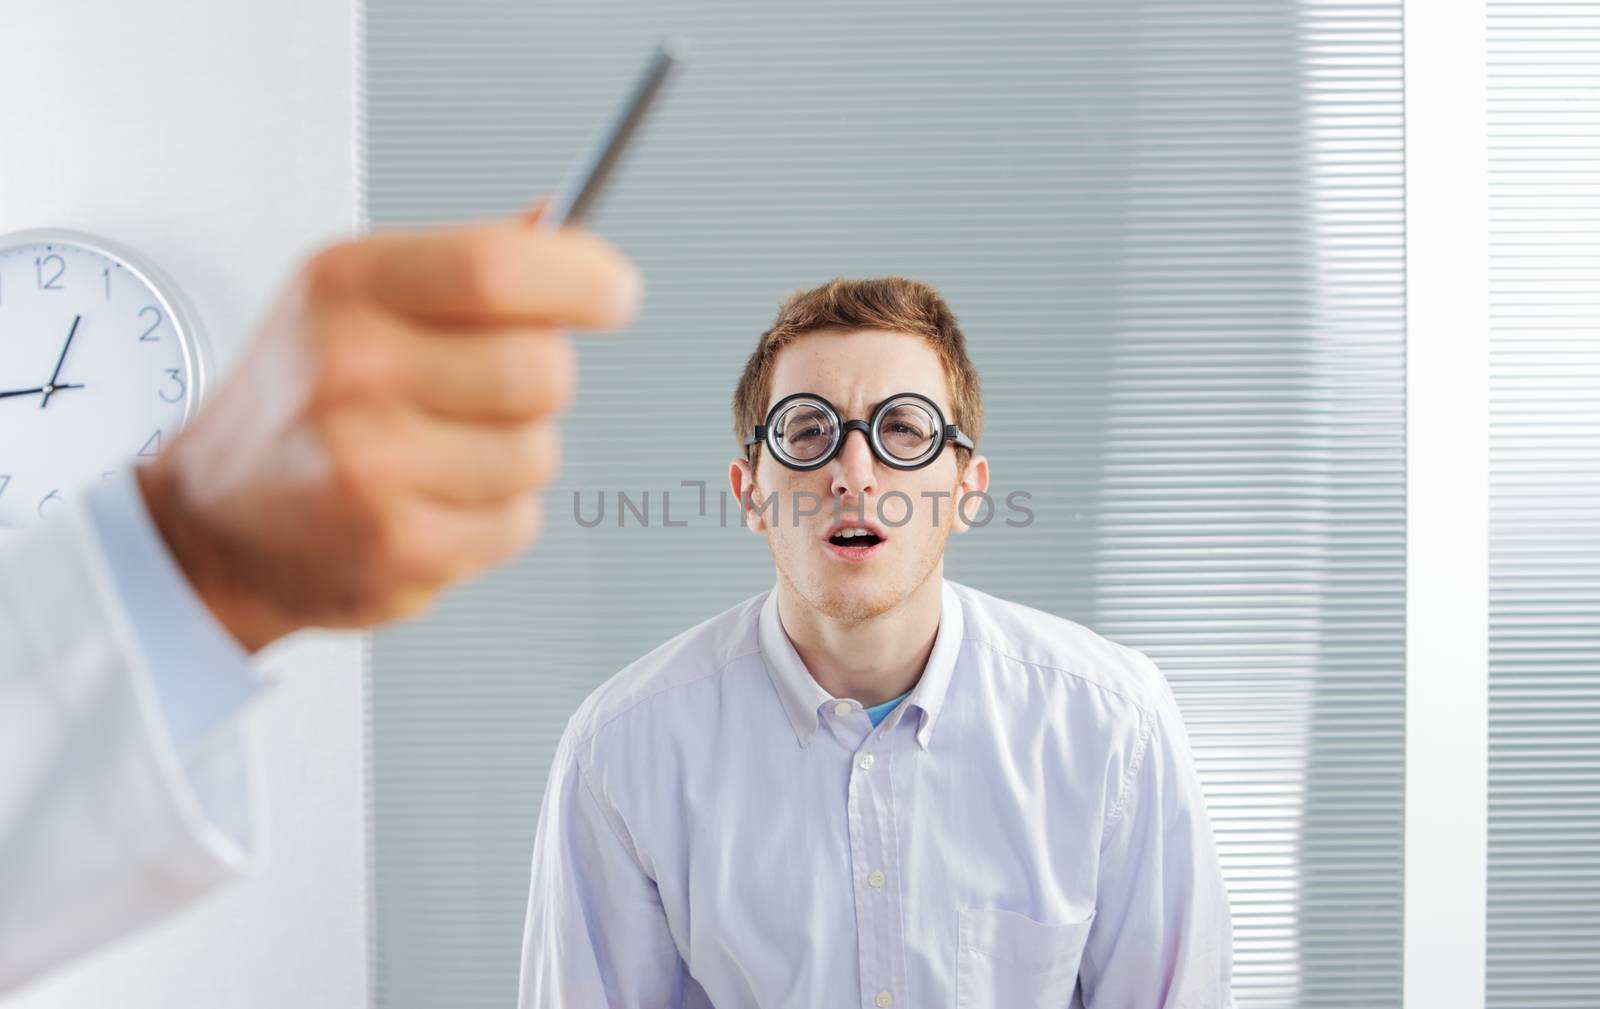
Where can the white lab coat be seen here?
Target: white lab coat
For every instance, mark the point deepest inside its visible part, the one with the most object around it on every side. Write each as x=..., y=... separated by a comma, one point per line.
x=104, y=825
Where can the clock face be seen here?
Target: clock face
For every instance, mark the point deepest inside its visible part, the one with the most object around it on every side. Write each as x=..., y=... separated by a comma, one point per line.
x=97, y=368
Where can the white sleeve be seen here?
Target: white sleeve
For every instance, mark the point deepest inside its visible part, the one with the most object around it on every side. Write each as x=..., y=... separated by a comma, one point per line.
x=202, y=677
x=1162, y=936
x=104, y=824
x=596, y=935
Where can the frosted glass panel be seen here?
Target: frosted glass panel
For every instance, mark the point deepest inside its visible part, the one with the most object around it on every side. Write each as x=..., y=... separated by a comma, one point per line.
x=1174, y=235
x=1544, y=521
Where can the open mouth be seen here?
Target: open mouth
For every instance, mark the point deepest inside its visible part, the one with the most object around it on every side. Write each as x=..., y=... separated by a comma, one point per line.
x=855, y=539
x=855, y=542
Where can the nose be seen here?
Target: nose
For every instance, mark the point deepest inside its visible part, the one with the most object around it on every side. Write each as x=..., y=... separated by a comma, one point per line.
x=854, y=468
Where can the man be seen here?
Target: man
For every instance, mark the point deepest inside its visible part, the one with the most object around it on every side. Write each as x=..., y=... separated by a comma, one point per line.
x=383, y=438
x=871, y=786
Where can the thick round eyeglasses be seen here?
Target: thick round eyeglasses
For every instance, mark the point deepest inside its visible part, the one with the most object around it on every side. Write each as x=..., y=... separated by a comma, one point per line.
x=906, y=431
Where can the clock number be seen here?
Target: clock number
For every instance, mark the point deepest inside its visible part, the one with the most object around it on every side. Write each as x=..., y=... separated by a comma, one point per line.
x=146, y=334
x=152, y=446
x=107, y=274
x=177, y=378
x=54, y=495
x=5, y=481
x=39, y=267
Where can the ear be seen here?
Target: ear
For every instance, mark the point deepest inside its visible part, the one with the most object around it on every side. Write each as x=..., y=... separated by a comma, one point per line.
x=742, y=479
x=974, y=480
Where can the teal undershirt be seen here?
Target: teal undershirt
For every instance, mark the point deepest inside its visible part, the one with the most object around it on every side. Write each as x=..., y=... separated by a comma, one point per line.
x=877, y=713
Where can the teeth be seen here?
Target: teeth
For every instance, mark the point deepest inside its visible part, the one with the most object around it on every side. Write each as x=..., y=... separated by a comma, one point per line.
x=854, y=532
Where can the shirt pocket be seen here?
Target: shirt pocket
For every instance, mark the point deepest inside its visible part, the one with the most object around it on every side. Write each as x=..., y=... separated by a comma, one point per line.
x=1006, y=960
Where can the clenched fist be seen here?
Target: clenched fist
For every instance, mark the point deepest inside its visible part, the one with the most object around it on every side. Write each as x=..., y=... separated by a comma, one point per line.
x=387, y=431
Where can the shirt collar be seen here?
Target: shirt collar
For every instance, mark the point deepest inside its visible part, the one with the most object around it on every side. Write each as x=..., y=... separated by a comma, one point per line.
x=803, y=697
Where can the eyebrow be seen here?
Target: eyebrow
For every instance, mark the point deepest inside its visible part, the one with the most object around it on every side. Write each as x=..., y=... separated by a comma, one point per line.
x=943, y=408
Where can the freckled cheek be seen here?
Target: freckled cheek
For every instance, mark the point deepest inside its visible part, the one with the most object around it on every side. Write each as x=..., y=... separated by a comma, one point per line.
x=803, y=504
x=912, y=508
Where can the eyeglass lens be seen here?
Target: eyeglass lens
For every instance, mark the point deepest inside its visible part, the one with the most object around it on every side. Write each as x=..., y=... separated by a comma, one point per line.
x=805, y=432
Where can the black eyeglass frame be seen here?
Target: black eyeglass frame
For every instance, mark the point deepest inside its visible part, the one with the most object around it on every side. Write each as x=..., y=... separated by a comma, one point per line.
x=948, y=434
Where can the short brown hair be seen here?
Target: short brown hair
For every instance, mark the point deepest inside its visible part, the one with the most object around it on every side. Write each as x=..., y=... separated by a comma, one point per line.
x=894, y=304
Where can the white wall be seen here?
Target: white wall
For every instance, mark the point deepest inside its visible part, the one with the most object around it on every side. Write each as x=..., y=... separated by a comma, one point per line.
x=1447, y=505
x=217, y=137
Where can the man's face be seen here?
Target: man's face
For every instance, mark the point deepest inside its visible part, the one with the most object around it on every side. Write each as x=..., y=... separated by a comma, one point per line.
x=855, y=370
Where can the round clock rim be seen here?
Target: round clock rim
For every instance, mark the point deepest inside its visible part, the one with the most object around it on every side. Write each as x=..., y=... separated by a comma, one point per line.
x=185, y=320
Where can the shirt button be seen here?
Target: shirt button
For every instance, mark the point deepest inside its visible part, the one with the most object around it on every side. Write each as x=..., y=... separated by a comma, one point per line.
x=882, y=1000
x=842, y=708
x=875, y=879
x=866, y=762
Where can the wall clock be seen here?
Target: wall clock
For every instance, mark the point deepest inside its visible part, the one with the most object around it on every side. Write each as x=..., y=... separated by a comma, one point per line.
x=101, y=362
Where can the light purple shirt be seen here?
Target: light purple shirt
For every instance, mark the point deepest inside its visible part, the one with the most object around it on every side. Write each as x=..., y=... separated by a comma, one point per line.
x=1025, y=830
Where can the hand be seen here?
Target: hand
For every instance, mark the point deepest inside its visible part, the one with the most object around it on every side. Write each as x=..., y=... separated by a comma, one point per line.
x=386, y=432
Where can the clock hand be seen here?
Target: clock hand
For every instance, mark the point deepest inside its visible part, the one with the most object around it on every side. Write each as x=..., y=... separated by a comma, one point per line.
x=49, y=390
x=51, y=386
x=29, y=392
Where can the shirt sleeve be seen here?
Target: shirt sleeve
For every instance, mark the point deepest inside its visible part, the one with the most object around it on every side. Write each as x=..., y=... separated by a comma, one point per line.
x=105, y=826
x=1162, y=936
x=201, y=675
x=596, y=935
